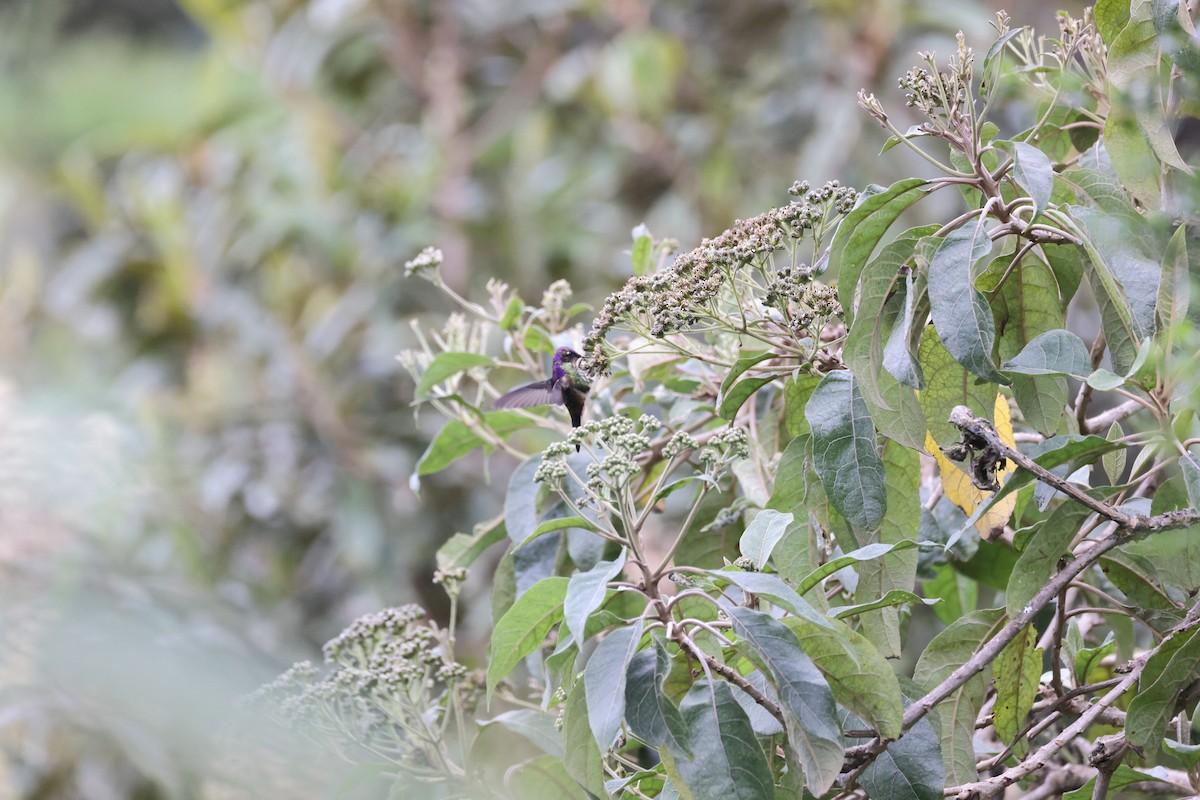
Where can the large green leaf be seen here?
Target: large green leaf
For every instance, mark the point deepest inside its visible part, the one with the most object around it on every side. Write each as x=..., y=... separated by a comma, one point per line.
x=520, y=500
x=581, y=756
x=1175, y=286
x=860, y=677
x=586, y=592
x=650, y=713
x=956, y=715
x=1039, y=560
x=845, y=452
x=545, y=778
x=604, y=680
x=1056, y=352
x=909, y=769
x=868, y=552
x=958, y=594
x=809, y=711
x=456, y=439
x=949, y=384
x=524, y=627
x=762, y=534
x=1111, y=18
x=725, y=761
x=876, y=347
x=461, y=549
x=961, y=314
x=861, y=230
x=734, y=394
x=1165, y=675
x=1127, y=281
x=897, y=570
x=796, y=553
x=1018, y=668
x=1027, y=306
x=447, y=365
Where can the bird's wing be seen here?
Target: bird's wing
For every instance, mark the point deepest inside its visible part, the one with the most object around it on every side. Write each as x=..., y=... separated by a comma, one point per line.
x=542, y=393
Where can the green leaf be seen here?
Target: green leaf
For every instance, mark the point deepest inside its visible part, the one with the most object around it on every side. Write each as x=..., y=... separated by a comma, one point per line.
x=581, y=757
x=1025, y=307
x=604, y=681
x=862, y=229
x=1088, y=658
x=1175, y=286
x=1165, y=675
x=958, y=593
x=845, y=452
x=520, y=501
x=896, y=597
x=586, y=592
x=651, y=715
x=544, y=778
x=512, y=314
x=726, y=761
x=1032, y=171
x=1103, y=380
x=524, y=626
x=865, y=553
x=733, y=395
x=741, y=365
x=559, y=524
x=1114, y=462
x=1127, y=281
x=909, y=769
x=762, y=534
x=876, y=349
x=961, y=314
x=643, y=248
x=948, y=384
x=456, y=439
x=898, y=570
x=861, y=678
x=536, y=726
x=948, y=651
x=809, y=710
x=1133, y=160
x=795, y=395
x=740, y=393
x=1122, y=778
x=1039, y=561
x=795, y=554
x=1189, y=464
x=1018, y=669
x=461, y=550
x=674, y=486
x=1111, y=18
x=447, y=365
x=1057, y=352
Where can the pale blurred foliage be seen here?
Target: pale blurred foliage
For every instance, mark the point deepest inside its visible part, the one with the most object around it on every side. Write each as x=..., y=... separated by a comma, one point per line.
x=205, y=440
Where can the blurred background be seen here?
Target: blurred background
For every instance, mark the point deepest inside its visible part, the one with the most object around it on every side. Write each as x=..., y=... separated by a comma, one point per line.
x=205, y=208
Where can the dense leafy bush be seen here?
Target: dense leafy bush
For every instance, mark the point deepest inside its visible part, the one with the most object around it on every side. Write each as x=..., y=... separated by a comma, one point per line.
x=779, y=474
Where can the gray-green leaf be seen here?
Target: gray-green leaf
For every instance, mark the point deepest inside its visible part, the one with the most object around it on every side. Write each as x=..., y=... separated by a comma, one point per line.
x=845, y=452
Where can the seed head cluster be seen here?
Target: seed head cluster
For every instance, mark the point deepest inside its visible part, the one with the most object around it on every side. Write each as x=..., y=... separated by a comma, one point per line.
x=688, y=290
x=387, y=674
x=425, y=264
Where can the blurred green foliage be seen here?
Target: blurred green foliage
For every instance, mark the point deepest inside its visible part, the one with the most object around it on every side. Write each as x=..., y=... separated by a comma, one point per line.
x=207, y=439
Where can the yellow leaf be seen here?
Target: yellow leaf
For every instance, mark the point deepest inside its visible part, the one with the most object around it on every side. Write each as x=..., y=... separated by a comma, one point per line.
x=962, y=492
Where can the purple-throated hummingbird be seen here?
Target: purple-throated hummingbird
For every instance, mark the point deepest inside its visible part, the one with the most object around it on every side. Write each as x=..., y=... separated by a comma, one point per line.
x=566, y=386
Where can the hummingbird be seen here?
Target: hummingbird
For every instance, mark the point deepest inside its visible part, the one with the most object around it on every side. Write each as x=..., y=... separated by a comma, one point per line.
x=566, y=386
